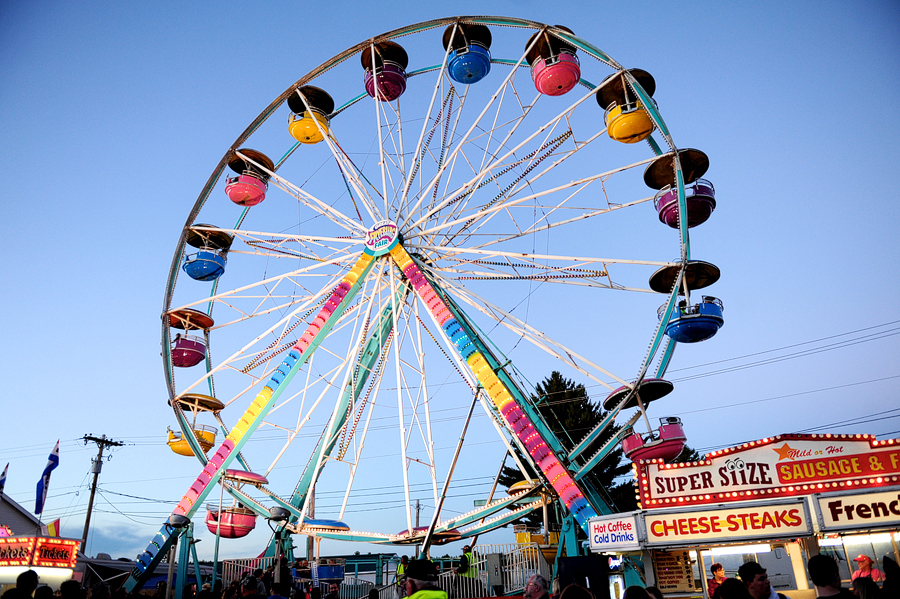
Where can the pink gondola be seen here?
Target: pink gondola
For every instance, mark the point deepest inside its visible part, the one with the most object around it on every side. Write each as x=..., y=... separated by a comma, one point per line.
x=249, y=187
x=236, y=522
x=666, y=444
x=187, y=350
x=555, y=69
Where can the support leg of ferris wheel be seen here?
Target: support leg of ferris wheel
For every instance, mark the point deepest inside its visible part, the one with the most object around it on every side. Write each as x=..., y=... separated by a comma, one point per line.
x=594, y=504
x=372, y=352
x=324, y=321
x=508, y=399
x=592, y=496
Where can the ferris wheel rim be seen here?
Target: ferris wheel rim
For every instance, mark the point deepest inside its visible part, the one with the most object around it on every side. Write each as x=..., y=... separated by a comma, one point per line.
x=235, y=149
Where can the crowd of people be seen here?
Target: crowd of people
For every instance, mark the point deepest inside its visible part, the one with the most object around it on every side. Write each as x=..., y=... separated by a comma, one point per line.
x=417, y=579
x=753, y=581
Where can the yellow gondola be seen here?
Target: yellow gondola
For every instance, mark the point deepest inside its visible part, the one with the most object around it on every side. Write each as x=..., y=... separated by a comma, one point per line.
x=206, y=437
x=309, y=120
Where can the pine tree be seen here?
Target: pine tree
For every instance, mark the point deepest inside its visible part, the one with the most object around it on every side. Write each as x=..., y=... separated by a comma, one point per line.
x=570, y=415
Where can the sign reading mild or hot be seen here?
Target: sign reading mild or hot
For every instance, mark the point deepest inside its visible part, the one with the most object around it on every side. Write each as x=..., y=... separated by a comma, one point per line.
x=780, y=466
x=860, y=510
x=763, y=521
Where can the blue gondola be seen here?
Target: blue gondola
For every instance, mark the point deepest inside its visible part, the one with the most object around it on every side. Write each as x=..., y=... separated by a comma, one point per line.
x=690, y=324
x=208, y=263
x=470, y=55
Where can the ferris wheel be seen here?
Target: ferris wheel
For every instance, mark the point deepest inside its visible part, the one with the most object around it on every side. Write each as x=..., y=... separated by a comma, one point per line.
x=391, y=255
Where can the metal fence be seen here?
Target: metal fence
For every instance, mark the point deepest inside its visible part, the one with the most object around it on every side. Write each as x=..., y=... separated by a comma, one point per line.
x=517, y=564
x=352, y=588
x=236, y=569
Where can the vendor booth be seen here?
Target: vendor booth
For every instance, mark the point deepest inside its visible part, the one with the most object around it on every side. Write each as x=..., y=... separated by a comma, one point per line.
x=52, y=558
x=776, y=501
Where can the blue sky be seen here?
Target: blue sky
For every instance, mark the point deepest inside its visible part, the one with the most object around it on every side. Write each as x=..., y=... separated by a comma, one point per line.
x=113, y=116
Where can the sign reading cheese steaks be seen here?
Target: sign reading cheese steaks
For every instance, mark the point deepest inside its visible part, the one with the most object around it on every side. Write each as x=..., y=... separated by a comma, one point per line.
x=772, y=521
x=782, y=466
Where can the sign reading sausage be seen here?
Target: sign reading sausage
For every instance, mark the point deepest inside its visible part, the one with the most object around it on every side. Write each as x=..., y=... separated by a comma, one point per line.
x=782, y=466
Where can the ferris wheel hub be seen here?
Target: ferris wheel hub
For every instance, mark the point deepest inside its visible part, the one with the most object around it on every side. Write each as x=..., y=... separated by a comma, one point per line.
x=382, y=237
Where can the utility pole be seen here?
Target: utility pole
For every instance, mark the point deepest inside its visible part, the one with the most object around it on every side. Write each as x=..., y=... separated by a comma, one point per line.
x=418, y=509
x=310, y=540
x=96, y=464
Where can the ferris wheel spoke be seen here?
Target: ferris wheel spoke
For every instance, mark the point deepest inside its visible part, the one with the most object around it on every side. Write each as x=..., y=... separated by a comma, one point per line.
x=348, y=170
x=442, y=124
x=578, y=185
x=488, y=167
x=533, y=257
x=279, y=245
x=378, y=113
x=402, y=205
x=371, y=397
x=310, y=201
x=251, y=359
x=497, y=162
x=428, y=213
x=511, y=190
x=533, y=335
x=487, y=154
x=337, y=419
x=349, y=396
x=258, y=301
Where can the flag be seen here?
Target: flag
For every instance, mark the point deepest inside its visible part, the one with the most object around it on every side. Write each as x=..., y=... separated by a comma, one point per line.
x=3, y=478
x=51, y=530
x=44, y=483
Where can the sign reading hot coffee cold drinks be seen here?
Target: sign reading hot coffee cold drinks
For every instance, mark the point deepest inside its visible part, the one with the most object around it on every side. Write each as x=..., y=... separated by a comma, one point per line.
x=760, y=521
x=613, y=533
x=781, y=466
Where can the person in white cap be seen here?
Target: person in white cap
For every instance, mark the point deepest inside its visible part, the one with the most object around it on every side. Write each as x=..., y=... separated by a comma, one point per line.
x=866, y=570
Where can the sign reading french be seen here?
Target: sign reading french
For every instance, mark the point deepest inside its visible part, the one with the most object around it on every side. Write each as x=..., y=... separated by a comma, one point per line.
x=782, y=466
x=614, y=533
x=765, y=521
x=859, y=510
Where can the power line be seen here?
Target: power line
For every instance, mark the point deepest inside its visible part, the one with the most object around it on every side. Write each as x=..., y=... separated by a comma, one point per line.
x=753, y=401
x=877, y=326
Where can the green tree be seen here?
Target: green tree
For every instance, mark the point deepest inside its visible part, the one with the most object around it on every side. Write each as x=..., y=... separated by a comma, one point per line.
x=570, y=415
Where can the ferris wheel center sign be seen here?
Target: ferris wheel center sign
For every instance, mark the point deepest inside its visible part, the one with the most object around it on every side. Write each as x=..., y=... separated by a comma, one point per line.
x=382, y=237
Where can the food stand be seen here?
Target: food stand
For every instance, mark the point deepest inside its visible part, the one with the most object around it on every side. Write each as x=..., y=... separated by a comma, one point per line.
x=778, y=500
x=52, y=558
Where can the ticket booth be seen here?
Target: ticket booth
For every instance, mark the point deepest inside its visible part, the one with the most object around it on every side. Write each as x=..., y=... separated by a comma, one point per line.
x=53, y=559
